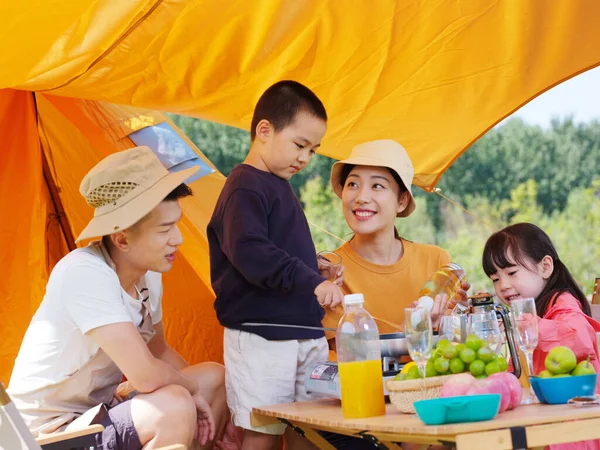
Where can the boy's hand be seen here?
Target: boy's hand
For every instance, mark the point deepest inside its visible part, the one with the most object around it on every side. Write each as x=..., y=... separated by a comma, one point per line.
x=329, y=294
x=332, y=272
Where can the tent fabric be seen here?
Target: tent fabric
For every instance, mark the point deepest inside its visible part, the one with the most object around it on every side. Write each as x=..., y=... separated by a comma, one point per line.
x=433, y=75
x=49, y=144
x=79, y=77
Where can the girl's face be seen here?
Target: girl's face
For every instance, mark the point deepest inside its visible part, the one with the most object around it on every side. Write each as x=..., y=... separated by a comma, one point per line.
x=371, y=199
x=520, y=281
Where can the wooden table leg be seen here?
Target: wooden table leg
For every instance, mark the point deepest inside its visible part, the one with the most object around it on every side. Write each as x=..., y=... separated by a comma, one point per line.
x=312, y=436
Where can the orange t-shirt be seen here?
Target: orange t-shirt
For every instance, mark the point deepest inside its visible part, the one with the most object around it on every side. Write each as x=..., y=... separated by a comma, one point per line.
x=387, y=289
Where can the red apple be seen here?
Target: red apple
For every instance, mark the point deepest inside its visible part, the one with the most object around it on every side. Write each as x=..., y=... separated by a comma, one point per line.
x=489, y=386
x=457, y=385
x=514, y=387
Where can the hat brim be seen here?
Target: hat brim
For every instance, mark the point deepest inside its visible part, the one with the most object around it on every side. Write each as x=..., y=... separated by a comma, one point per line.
x=336, y=179
x=137, y=208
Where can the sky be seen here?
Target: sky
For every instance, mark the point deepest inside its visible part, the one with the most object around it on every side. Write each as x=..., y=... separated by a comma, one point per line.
x=579, y=97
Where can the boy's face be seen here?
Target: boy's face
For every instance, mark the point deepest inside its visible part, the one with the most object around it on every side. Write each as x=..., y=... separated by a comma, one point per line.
x=290, y=149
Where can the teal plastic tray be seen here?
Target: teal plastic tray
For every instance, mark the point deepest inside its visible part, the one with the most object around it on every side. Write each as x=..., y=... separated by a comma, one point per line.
x=464, y=408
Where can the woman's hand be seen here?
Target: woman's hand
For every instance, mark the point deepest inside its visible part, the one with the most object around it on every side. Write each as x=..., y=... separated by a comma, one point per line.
x=461, y=296
x=441, y=305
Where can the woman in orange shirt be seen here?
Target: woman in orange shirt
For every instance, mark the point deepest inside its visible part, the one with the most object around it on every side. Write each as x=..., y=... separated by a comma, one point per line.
x=375, y=187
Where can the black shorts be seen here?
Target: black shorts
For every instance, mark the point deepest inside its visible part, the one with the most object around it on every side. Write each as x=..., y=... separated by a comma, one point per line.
x=119, y=432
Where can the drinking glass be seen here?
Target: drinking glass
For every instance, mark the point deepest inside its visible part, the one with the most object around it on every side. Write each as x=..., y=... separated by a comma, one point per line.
x=332, y=261
x=485, y=326
x=524, y=320
x=450, y=328
x=419, y=337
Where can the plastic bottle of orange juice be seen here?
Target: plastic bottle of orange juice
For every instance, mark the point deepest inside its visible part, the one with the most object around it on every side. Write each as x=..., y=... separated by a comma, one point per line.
x=359, y=361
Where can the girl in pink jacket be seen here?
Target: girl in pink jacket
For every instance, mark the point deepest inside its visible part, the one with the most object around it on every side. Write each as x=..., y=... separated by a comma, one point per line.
x=522, y=262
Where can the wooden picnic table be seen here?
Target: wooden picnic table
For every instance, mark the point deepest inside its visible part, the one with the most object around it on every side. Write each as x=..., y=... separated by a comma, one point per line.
x=529, y=426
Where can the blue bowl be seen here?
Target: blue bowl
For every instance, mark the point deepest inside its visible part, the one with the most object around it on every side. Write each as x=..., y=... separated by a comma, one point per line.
x=464, y=408
x=560, y=390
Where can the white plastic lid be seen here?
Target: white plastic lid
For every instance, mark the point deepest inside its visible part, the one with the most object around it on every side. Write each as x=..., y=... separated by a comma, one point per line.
x=353, y=299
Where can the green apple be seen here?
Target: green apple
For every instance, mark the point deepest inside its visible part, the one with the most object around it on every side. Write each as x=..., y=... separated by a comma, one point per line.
x=583, y=368
x=560, y=360
x=460, y=347
x=545, y=374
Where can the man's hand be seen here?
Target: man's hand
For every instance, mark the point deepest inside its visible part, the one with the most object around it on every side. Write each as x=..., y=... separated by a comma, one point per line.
x=329, y=294
x=332, y=272
x=206, y=421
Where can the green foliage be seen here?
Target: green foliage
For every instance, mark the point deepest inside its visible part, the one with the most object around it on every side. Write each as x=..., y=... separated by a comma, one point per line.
x=514, y=173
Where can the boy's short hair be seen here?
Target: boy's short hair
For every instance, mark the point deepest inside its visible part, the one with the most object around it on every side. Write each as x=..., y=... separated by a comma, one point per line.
x=280, y=104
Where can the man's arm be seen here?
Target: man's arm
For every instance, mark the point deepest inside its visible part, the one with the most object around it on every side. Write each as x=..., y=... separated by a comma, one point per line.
x=123, y=344
x=160, y=349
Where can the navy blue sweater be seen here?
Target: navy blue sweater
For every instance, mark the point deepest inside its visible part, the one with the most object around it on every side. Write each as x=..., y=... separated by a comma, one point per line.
x=262, y=258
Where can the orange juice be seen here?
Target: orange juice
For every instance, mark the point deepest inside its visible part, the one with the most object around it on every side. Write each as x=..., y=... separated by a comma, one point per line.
x=362, y=389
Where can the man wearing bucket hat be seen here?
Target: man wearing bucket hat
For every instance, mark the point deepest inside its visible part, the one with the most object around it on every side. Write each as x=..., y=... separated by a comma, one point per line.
x=374, y=184
x=101, y=318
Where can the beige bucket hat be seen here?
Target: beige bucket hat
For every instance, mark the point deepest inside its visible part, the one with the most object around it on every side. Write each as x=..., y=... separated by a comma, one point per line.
x=124, y=187
x=382, y=153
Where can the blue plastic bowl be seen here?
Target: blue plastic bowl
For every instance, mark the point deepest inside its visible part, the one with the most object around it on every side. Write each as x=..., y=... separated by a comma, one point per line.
x=560, y=390
x=464, y=408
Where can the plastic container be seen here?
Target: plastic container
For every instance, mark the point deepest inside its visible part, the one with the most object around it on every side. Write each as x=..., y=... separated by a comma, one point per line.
x=465, y=408
x=560, y=390
x=446, y=280
x=359, y=361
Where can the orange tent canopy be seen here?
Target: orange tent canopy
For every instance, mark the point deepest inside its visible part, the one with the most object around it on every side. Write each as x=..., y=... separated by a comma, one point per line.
x=432, y=75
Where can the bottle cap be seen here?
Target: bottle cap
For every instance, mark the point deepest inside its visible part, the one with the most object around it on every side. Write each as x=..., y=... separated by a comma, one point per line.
x=353, y=299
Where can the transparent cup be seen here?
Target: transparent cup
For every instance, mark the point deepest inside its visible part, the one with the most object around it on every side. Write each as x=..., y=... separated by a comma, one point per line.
x=331, y=261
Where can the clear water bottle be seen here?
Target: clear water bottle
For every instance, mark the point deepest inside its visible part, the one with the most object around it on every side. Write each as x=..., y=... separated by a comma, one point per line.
x=446, y=280
x=359, y=361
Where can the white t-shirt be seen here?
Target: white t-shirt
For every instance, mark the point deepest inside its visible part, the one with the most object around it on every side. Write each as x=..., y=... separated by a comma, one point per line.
x=83, y=293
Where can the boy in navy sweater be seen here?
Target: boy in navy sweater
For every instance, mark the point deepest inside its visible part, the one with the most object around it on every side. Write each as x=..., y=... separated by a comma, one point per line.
x=264, y=267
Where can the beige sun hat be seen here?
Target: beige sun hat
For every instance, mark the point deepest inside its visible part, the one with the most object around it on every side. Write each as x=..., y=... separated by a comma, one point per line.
x=382, y=153
x=124, y=187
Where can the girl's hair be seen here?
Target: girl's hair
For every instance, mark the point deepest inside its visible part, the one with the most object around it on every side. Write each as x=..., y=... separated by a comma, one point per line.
x=527, y=243
x=347, y=168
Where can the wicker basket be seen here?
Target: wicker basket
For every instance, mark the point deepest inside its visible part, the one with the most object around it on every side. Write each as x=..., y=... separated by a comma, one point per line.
x=404, y=393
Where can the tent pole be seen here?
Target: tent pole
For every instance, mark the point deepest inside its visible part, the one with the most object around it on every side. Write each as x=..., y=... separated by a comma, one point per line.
x=54, y=190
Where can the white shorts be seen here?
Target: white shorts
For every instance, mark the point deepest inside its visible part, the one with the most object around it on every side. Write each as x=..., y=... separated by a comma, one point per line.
x=259, y=372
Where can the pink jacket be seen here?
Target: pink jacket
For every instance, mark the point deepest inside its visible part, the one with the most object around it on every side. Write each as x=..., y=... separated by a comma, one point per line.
x=565, y=324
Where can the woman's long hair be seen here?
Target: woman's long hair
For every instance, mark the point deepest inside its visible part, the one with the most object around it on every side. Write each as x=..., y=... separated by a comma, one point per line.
x=528, y=243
